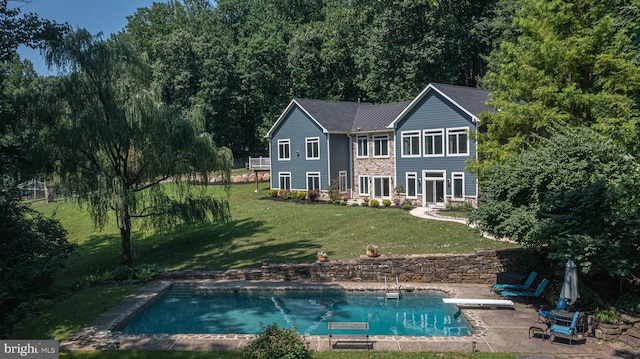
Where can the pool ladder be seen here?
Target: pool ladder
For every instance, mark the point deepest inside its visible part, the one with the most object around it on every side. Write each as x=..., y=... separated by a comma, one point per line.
x=390, y=294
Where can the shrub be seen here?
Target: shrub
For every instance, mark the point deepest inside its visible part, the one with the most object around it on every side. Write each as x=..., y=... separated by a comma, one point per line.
x=123, y=273
x=334, y=190
x=386, y=202
x=607, y=316
x=365, y=204
x=300, y=195
x=374, y=203
x=329, y=201
x=147, y=272
x=406, y=206
x=276, y=343
x=629, y=302
x=273, y=193
x=343, y=202
x=313, y=195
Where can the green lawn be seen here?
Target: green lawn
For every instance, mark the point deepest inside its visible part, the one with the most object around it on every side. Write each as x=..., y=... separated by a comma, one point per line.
x=283, y=231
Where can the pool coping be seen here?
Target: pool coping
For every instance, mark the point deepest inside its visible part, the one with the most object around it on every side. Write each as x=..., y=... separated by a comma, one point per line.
x=101, y=333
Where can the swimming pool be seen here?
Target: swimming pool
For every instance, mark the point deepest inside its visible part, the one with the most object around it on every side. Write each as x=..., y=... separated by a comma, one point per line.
x=192, y=311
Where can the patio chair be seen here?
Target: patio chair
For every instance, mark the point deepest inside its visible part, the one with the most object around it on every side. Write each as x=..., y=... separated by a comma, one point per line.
x=535, y=294
x=527, y=284
x=549, y=315
x=564, y=331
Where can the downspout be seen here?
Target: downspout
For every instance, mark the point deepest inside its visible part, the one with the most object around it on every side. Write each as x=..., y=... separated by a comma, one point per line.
x=328, y=161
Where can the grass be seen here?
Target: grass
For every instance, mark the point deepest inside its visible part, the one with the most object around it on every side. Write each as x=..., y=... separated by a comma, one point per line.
x=283, y=231
x=68, y=316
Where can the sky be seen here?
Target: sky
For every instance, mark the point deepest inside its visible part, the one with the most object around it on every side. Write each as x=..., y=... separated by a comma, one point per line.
x=106, y=16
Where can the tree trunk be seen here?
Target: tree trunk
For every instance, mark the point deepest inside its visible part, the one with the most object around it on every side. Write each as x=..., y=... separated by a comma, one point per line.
x=125, y=235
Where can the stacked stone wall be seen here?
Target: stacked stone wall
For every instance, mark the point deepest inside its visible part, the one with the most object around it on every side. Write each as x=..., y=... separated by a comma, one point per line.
x=478, y=267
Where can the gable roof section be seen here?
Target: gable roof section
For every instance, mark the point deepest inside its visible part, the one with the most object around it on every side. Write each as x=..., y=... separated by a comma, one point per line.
x=470, y=100
x=331, y=116
x=377, y=117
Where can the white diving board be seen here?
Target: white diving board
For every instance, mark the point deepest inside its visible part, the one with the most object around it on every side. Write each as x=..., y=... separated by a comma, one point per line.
x=479, y=302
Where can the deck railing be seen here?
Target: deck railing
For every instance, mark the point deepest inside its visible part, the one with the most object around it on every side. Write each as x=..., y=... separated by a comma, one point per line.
x=259, y=163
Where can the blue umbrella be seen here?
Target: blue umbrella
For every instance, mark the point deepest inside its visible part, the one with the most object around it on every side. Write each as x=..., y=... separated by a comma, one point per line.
x=569, y=290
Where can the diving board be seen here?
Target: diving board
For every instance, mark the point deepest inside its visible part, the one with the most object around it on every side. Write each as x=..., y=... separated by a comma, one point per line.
x=479, y=302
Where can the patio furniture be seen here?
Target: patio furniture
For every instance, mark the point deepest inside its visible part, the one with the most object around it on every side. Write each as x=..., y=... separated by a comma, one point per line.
x=535, y=294
x=527, y=284
x=564, y=331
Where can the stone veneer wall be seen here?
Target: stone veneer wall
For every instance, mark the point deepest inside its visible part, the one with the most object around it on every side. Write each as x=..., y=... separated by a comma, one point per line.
x=478, y=267
x=372, y=166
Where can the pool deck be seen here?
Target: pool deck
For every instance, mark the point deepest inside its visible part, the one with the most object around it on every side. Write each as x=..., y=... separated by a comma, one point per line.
x=496, y=329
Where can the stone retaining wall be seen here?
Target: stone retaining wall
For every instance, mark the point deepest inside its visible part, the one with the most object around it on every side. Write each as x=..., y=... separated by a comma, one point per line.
x=627, y=331
x=478, y=267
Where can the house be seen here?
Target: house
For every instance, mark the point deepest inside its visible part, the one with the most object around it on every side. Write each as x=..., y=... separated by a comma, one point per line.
x=412, y=151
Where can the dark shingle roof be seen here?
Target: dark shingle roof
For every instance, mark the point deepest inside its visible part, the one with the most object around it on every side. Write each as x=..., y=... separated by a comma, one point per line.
x=377, y=117
x=470, y=98
x=334, y=116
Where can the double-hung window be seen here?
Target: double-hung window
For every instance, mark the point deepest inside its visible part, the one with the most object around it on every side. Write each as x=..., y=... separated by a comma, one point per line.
x=363, y=146
x=284, y=180
x=284, y=150
x=363, y=188
x=458, y=185
x=412, y=184
x=342, y=181
x=381, y=146
x=433, y=143
x=458, y=141
x=313, y=181
x=313, y=148
x=411, y=144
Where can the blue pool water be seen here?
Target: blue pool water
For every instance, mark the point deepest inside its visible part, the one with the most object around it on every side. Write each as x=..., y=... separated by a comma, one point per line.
x=243, y=312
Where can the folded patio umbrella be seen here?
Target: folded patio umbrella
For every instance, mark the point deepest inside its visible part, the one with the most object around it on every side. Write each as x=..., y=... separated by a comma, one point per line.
x=569, y=290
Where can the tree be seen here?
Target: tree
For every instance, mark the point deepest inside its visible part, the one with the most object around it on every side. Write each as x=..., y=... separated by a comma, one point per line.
x=119, y=148
x=574, y=197
x=32, y=248
x=572, y=64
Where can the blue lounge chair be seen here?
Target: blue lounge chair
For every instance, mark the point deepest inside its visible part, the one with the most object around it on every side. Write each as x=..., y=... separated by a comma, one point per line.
x=527, y=284
x=536, y=293
x=564, y=331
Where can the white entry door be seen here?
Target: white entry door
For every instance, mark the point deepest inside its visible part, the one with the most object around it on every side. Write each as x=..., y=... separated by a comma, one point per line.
x=434, y=188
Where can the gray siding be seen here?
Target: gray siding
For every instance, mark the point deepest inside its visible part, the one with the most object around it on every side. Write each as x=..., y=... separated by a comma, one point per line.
x=296, y=127
x=340, y=152
x=435, y=112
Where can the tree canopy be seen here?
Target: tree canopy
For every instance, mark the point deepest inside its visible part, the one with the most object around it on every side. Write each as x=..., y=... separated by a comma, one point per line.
x=115, y=142
x=573, y=64
x=574, y=197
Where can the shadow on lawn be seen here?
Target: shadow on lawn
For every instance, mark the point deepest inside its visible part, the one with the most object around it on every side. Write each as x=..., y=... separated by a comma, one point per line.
x=237, y=244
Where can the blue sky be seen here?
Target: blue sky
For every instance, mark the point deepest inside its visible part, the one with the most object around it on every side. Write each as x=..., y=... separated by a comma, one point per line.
x=106, y=16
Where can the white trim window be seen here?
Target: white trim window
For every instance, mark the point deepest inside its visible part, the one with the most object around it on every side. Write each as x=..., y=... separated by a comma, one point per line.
x=342, y=181
x=382, y=187
x=313, y=181
x=457, y=178
x=284, y=150
x=412, y=185
x=411, y=144
x=433, y=143
x=458, y=141
x=363, y=188
x=284, y=179
x=381, y=146
x=363, y=146
x=313, y=148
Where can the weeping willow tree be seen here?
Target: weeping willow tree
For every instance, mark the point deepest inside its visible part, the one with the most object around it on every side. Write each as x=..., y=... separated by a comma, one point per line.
x=120, y=150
